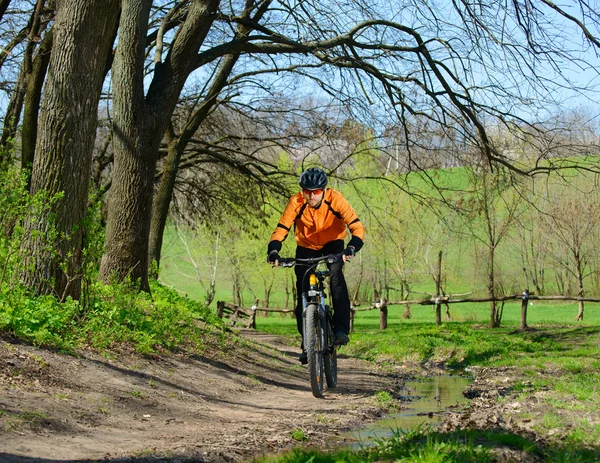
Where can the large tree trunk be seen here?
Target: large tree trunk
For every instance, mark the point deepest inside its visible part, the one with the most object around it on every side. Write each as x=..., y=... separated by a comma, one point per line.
x=33, y=95
x=83, y=33
x=135, y=144
x=139, y=124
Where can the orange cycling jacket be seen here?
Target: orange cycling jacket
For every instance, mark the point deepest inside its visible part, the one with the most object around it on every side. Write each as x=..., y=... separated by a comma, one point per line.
x=315, y=227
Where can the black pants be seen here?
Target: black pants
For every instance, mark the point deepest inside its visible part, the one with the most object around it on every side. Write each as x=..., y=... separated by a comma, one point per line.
x=339, y=290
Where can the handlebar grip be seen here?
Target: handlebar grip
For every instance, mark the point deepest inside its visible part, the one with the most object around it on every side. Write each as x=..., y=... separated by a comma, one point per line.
x=287, y=262
x=333, y=258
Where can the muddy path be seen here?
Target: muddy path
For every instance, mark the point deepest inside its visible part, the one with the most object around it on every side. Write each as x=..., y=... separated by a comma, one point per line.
x=211, y=407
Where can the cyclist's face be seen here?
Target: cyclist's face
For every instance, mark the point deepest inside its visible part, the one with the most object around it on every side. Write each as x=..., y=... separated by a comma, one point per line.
x=312, y=198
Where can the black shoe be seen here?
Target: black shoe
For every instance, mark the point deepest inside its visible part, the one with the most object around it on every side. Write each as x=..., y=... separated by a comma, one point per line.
x=303, y=358
x=341, y=338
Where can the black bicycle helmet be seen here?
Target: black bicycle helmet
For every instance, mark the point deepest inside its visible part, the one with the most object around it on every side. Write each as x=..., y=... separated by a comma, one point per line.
x=313, y=178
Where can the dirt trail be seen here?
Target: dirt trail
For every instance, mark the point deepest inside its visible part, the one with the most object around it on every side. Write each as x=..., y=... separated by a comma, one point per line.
x=211, y=408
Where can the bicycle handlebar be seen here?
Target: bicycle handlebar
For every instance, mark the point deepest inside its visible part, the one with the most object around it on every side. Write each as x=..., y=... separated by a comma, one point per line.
x=291, y=261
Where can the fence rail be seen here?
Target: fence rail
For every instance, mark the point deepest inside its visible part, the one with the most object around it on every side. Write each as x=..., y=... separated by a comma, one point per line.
x=524, y=297
x=276, y=310
x=383, y=305
x=448, y=300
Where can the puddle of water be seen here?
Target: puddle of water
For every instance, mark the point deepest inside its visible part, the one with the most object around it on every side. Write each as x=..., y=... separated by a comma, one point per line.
x=427, y=402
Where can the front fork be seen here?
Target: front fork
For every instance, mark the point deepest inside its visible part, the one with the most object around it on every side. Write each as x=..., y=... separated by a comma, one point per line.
x=324, y=311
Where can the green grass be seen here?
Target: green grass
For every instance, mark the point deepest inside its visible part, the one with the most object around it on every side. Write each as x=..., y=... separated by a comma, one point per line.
x=556, y=361
x=466, y=339
x=428, y=446
x=113, y=315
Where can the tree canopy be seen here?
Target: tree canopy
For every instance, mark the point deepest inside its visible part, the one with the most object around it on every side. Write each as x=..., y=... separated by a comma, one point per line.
x=295, y=76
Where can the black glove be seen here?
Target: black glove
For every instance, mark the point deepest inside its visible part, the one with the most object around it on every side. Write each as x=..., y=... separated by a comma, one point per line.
x=349, y=251
x=272, y=257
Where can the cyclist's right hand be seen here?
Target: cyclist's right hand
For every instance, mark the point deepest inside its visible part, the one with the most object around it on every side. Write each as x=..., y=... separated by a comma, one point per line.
x=273, y=258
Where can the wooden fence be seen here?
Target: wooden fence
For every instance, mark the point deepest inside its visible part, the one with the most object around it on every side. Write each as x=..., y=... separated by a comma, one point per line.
x=525, y=297
x=237, y=314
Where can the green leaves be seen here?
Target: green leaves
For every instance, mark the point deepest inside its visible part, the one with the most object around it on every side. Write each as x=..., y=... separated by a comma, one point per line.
x=117, y=314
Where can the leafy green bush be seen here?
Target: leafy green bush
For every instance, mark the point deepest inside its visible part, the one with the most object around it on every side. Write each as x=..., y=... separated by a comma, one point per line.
x=122, y=314
x=118, y=314
x=42, y=320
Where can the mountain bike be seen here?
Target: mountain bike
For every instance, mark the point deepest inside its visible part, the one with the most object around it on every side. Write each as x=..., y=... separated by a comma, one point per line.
x=319, y=341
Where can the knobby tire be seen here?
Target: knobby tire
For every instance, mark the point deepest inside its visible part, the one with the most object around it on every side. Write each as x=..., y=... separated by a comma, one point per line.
x=314, y=340
x=330, y=358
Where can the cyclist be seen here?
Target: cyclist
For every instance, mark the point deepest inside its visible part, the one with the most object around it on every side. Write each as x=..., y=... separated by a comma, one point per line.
x=320, y=216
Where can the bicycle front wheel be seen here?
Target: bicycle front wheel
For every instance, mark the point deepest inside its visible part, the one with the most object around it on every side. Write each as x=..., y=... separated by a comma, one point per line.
x=314, y=342
x=330, y=358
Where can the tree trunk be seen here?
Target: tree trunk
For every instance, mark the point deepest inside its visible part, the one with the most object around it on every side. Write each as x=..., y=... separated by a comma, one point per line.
x=438, y=290
x=405, y=293
x=236, y=289
x=580, y=289
x=448, y=316
x=268, y=289
x=139, y=124
x=354, y=301
x=3, y=6
x=494, y=319
x=33, y=95
x=162, y=200
x=12, y=117
x=286, y=304
x=210, y=293
x=15, y=106
x=135, y=144
x=83, y=33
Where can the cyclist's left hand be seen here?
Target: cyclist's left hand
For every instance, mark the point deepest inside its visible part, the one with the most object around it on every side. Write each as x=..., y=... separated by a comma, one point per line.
x=348, y=253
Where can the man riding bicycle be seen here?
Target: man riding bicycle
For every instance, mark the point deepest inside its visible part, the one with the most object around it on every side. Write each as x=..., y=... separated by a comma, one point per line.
x=320, y=216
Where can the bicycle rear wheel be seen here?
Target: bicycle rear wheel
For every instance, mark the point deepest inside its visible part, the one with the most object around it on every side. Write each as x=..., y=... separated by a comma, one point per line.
x=314, y=342
x=330, y=358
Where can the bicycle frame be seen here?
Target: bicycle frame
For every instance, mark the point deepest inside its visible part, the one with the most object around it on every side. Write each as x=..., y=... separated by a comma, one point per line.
x=317, y=327
x=315, y=294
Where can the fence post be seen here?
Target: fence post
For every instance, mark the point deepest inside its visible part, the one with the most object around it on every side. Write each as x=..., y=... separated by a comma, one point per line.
x=352, y=312
x=524, y=302
x=438, y=311
x=383, y=314
x=438, y=291
x=220, y=307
